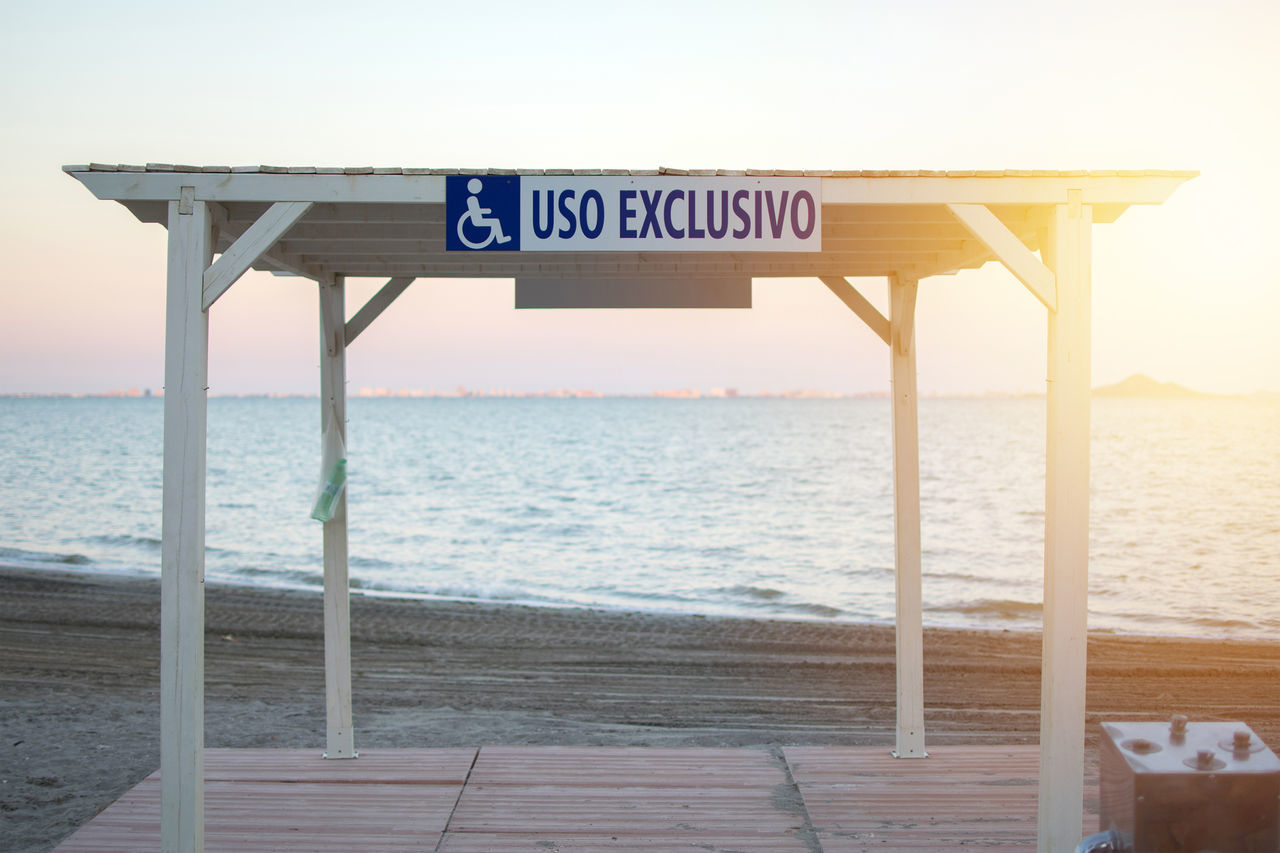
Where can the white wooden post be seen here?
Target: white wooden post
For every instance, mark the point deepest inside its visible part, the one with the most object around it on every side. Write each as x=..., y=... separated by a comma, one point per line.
x=340, y=739
x=1067, y=251
x=906, y=514
x=186, y=362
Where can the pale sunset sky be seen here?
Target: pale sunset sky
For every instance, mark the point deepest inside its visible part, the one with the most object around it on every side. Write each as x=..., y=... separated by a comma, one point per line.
x=1185, y=292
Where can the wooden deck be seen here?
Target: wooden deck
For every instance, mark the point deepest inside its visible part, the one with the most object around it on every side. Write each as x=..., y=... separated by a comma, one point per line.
x=498, y=799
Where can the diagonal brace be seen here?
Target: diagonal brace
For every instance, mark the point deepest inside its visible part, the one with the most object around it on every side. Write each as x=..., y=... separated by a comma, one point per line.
x=1009, y=250
x=377, y=303
x=249, y=247
x=858, y=304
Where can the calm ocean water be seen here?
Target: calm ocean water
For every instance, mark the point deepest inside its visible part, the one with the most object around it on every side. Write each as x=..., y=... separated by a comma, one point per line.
x=753, y=507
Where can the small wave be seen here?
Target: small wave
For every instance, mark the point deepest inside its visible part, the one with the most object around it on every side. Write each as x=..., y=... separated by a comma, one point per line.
x=967, y=577
x=285, y=577
x=720, y=552
x=1001, y=608
x=755, y=592
x=1210, y=625
x=19, y=555
x=124, y=539
x=357, y=561
x=456, y=592
x=823, y=610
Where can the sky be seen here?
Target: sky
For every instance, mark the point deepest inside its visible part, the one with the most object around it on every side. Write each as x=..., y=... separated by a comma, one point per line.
x=1184, y=292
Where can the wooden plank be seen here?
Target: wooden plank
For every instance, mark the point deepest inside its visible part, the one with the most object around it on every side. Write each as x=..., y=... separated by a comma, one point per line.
x=449, y=269
x=418, y=766
x=568, y=262
x=272, y=260
x=591, y=809
x=269, y=186
x=377, y=303
x=420, y=227
x=250, y=246
x=621, y=766
x=264, y=186
x=257, y=816
x=183, y=527
x=858, y=798
x=740, y=842
x=433, y=243
x=838, y=765
x=858, y=303
x=580, y=798
x=1011, y=251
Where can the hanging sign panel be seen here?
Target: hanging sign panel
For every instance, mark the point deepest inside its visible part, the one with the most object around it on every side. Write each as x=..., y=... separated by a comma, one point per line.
x=613, y=292
x=521, y=213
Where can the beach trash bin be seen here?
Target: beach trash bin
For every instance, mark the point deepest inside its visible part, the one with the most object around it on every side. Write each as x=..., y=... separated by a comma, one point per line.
x=1169, y=787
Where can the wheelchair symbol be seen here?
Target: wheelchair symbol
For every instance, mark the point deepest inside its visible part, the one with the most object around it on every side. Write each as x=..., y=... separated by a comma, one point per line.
x=478, y=218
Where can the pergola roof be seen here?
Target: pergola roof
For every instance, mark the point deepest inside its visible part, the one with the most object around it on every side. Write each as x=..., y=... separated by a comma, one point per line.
x=389, y=222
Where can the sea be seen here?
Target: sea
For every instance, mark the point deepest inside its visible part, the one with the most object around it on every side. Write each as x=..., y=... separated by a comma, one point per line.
x=758, y=507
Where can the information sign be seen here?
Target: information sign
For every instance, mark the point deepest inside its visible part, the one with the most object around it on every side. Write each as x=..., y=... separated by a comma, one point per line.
x=511, y=213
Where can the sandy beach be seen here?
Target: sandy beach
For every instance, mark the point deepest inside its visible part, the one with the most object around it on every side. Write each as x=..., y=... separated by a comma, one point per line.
x=79, y=707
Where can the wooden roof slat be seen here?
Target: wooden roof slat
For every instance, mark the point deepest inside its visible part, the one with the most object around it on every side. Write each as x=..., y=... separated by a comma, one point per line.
x=434, y=244
x=431, y=226
x=664, y=170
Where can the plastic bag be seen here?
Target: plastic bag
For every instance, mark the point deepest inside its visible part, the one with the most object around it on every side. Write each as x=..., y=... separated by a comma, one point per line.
x=333, y=472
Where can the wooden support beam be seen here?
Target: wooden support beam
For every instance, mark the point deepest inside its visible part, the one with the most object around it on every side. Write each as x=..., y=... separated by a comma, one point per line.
x=858, y=304
x=274, y=259
x=377, y=303
x=245, y=251
x=1010, y=251
x=283, y=262
x=186, y=362
x=1066, y=534
x=909, y=602
x=340, y=737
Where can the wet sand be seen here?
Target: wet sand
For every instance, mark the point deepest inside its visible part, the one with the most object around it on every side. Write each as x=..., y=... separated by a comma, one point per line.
x=79, y=683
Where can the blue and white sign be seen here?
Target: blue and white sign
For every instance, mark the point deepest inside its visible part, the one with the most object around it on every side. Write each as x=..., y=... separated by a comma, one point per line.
x=495, y=213
x=483, y=213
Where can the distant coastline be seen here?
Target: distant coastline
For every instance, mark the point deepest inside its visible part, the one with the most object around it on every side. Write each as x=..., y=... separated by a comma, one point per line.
x=1137, y=385
x=1141, y=385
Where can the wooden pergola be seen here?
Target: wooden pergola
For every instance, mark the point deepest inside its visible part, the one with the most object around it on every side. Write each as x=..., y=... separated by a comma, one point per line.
x=327, y=224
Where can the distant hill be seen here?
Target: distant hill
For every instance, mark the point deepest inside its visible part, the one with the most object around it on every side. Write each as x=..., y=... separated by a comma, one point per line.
x=1139, y=385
